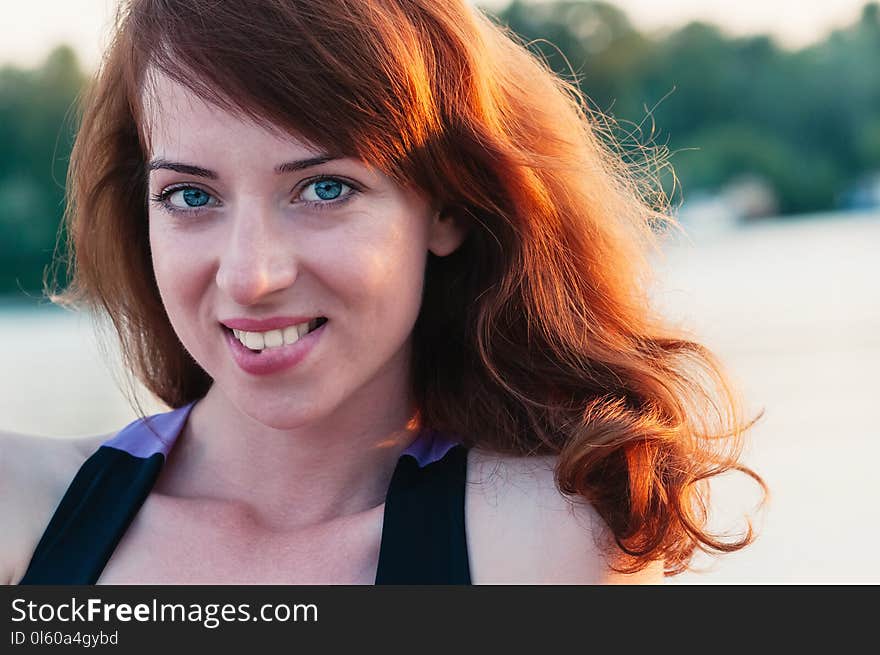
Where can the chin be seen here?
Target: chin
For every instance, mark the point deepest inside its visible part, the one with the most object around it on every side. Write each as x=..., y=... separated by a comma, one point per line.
x=280, y=413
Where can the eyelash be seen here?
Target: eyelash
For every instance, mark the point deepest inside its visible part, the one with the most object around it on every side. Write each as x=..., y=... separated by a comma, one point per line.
x=161, y=198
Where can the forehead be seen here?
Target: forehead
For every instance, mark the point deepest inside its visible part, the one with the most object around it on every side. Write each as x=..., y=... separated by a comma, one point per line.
x=175, y=117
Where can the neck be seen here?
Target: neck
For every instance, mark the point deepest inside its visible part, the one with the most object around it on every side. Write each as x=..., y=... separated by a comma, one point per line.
x=293, y=478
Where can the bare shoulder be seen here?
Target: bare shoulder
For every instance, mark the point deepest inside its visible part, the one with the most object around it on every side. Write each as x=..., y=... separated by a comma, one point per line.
x=522, y=530
x=34, y=474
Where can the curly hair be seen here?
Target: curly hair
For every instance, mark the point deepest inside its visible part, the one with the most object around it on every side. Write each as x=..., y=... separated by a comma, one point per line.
x=537, y=336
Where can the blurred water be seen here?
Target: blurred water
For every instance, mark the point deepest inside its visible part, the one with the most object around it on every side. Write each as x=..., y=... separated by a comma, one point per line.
x=792, y=308
x=56, y=380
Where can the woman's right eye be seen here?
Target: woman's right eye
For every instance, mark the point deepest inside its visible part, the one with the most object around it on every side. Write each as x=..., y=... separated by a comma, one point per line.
x=191, y=197
x=184, y=199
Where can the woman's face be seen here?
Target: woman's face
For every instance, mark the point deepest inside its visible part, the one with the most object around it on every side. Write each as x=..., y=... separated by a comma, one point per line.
x=246, y=223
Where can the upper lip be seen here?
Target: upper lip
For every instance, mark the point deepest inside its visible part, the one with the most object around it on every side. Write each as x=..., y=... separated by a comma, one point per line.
x=265, y=324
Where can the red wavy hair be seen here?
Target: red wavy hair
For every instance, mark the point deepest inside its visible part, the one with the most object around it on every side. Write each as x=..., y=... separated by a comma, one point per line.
x=537, y=336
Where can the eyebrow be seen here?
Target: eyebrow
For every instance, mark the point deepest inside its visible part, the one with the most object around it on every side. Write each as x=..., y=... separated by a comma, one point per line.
x=198, y=171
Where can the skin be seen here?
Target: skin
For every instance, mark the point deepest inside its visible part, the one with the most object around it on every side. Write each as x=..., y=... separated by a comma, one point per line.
x=321, y=440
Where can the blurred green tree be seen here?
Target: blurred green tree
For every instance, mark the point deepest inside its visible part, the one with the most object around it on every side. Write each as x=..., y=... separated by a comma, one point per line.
x=36, y=135
x=806, y=121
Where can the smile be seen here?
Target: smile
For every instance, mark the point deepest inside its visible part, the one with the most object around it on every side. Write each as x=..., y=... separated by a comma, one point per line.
x=259, y=341
x=269, y=358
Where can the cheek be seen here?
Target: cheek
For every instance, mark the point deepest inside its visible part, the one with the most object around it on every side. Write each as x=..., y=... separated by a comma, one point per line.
x=385, y=275
x=176, y=268
x=165, y=263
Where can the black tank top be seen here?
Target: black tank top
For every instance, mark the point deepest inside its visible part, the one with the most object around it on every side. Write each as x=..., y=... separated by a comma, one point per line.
x=423, y=530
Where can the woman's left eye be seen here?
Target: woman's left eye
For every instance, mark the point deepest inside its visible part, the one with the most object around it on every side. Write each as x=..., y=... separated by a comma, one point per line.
x=326, y=191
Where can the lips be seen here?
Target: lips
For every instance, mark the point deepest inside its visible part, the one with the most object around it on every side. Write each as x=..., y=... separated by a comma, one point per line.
x=266, y=324
x=272, y=360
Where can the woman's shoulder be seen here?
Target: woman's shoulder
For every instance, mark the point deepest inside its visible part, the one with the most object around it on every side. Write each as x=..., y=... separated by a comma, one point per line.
x=35, y=472
x=523, y=530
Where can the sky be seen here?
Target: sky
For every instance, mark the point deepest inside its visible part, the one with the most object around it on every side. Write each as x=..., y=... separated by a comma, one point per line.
x=29, y=29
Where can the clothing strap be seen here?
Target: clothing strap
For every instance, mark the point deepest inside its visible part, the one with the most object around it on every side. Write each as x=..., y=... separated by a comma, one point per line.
x=423, y=538
x=91, y=519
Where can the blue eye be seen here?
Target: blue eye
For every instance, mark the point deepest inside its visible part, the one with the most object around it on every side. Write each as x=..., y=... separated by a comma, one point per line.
x=195, y=197
x=184, y=199
x=325, y=189
x=191, y=196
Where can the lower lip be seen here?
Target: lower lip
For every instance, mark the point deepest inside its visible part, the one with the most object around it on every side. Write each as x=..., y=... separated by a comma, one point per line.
x=272, y=360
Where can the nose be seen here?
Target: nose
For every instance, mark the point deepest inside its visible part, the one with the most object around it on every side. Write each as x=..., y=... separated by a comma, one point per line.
x=257, y=259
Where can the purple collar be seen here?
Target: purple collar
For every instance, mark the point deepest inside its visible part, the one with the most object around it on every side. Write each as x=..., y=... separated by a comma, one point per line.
x=157, y=433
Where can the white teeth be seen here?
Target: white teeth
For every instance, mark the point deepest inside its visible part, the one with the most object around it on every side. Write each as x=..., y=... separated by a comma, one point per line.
x=291, y=334
x=273, y=339
x=254, y=340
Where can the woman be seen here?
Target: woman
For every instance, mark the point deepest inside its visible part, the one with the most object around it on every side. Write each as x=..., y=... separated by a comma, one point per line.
x=395, y=290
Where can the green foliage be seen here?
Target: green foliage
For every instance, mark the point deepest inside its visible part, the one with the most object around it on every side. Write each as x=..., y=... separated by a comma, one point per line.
x=806, y=121
x=36, y=135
